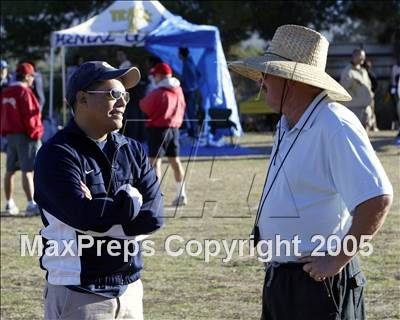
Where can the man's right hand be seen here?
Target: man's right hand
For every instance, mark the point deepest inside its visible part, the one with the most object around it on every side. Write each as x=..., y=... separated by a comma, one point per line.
x=135, y=196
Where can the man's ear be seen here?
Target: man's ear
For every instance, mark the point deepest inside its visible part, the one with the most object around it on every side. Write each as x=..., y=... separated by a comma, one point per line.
x=81, y=98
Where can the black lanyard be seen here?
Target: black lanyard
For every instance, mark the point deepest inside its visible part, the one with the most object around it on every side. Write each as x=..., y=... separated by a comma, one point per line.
x=256, y=232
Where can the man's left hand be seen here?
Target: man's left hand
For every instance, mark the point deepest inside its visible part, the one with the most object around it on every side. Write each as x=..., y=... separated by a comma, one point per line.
x=320, y=268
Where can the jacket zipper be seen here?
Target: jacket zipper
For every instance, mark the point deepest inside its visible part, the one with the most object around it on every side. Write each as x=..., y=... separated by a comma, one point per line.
x=113, y=176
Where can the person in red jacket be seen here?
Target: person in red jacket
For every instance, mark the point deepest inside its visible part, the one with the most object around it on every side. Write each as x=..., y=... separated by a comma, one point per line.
x=21, y=123
x=165, y=107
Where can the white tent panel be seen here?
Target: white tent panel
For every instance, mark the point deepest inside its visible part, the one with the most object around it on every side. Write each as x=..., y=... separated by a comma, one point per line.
x=150, y=24
x=124, y=23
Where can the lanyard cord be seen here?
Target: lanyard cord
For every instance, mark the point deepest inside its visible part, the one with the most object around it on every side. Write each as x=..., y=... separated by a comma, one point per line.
x=283, y=98
x=274, y=157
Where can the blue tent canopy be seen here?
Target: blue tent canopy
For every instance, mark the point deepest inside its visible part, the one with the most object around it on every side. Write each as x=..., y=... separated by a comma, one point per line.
x=149, y=24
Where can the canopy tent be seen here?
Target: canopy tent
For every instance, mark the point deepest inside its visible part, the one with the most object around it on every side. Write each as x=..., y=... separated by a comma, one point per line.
x=150, y=25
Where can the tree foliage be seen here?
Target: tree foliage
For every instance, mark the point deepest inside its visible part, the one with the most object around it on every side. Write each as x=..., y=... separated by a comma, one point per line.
x=238, y=19
x=26, y=25
x=380, y=20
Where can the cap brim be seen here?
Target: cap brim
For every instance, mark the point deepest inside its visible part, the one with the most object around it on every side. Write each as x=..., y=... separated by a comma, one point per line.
x=129, y=77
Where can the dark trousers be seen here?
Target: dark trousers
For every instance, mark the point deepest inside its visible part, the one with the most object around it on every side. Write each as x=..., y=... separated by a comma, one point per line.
x=191, y=117
x=292, y=294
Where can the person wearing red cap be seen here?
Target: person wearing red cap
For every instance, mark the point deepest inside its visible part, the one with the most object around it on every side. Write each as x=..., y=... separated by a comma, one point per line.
x=165, y=107
x=21, y=123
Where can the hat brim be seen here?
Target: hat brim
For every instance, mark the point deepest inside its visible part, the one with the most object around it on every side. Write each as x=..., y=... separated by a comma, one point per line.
x=130, y=77
x=254, y=67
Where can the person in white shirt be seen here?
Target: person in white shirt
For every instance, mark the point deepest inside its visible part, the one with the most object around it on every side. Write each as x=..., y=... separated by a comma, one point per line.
x=123, y=60
x=324, y=180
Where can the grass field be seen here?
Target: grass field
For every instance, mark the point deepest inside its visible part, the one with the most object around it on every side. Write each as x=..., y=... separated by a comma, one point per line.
x=223, y=195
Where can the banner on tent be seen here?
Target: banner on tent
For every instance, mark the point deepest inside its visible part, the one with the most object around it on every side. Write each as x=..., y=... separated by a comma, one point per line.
x=61, y=39
x=149, y=24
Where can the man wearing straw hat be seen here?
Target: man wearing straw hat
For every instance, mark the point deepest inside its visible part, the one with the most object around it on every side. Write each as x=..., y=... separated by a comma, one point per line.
x=324, y=183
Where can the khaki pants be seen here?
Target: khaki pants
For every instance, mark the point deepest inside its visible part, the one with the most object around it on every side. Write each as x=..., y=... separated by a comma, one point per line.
x=63, y=303
x=363, y=114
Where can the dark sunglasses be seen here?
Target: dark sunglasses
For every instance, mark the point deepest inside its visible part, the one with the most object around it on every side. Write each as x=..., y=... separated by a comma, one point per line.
x=116, y=94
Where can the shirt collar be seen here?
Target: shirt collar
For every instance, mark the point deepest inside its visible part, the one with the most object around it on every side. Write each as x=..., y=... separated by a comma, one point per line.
x=318, y=99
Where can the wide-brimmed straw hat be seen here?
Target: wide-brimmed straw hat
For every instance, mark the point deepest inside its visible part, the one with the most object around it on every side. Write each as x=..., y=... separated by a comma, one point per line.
x=296, y=53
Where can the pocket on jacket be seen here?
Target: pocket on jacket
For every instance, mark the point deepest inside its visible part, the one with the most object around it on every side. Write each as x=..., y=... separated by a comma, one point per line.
x=95, y=183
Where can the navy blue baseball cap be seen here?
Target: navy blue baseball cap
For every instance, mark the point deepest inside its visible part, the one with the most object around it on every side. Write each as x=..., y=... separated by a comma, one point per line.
x=93, y=71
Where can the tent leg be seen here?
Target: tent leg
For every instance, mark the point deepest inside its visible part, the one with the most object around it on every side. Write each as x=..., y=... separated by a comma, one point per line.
x=64, y=109
x=51, y=93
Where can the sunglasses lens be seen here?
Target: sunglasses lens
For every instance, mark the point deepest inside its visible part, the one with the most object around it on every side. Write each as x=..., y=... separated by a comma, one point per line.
x=126, y=97
x=117, y=94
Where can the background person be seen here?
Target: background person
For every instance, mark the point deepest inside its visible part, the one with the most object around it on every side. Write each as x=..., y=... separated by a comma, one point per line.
x=76, y=62
x=354, y=78
x=91, y=180
x=38, y=85
x=341, y=190
x=5, y=77
x=134, y=118
x=5, y=81
x=165, y=107
x=151, y=62
x=21, y=123
x=190, y=86
x=372, y=125
x=122, y=59
x=395, y=88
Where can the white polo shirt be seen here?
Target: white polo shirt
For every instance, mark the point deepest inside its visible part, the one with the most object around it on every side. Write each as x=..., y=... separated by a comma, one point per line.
x=331, y=169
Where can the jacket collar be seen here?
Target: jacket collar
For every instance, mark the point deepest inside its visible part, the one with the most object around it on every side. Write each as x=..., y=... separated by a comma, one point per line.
x=117, y=138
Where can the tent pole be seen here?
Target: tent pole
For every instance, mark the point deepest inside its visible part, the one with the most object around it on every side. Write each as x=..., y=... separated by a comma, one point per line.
x=64, y=107
x=51, y=93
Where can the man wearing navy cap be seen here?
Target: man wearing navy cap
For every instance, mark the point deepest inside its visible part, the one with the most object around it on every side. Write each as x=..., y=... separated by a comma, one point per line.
x=95, y=184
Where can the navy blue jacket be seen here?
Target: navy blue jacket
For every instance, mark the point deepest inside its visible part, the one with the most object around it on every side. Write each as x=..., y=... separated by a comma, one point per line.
x=61, y=164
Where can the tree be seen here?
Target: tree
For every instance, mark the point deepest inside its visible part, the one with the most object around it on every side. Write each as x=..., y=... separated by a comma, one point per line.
x=26, y=26
x=377, y=20
x=237, y=20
